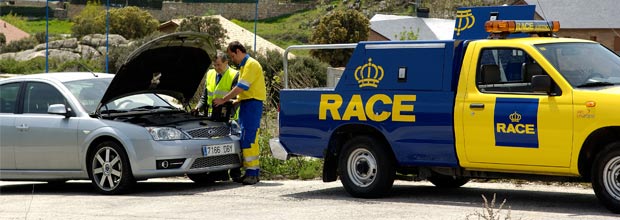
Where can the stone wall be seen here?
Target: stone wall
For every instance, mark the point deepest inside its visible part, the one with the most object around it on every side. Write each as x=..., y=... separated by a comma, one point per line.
x=242, y=11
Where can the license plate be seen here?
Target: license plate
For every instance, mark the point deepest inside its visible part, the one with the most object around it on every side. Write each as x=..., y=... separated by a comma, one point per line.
x=214, y=150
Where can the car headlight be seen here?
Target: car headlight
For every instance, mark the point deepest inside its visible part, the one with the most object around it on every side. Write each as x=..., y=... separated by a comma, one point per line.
x=166, y=133
x=235, y=129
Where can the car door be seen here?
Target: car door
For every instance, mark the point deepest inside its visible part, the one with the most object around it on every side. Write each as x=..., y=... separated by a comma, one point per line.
x=505, y=122
x=46, y=141
x=8, y=107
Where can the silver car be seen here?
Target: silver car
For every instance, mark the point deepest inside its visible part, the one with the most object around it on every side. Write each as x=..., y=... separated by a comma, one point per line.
x=116, y=129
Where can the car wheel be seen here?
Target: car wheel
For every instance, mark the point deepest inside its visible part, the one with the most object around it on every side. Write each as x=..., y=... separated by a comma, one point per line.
x=443, y=181
x=606, y=177
x=109, y=168
x=366, y=168
x=208, y=178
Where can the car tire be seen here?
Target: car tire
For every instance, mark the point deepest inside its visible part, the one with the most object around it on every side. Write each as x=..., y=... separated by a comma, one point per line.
x=366, y=168
x=443, y=181
x=606, y=177
x=109, y=169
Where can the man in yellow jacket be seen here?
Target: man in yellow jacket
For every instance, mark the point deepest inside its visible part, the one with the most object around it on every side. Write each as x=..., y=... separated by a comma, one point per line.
x=220, y=80
x=251, y=93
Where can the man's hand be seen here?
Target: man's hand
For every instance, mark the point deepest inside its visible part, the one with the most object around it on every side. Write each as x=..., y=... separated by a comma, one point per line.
x=195, y=112
x=218, y=101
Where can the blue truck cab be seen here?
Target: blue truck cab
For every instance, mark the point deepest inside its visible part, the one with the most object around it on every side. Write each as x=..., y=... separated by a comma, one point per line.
x=447, y=111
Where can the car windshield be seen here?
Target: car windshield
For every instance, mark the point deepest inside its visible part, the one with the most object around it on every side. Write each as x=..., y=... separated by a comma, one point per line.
x=90, y=91
x=583, y=64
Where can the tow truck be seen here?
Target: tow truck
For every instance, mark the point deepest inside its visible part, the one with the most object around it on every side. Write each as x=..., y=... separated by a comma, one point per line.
x=531, y=107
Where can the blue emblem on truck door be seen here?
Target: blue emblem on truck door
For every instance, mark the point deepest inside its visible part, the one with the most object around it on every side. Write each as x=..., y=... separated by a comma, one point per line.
x=516, y=122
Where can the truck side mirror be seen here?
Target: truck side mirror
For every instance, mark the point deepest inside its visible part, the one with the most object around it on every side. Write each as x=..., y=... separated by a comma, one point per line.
x=541, y=83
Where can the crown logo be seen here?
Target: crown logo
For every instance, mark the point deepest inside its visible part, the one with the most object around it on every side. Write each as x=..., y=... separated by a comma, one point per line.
x=369, y=74
x=469, y=21
x=515, y=117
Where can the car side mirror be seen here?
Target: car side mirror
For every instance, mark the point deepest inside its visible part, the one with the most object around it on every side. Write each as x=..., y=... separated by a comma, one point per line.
x=57, y=109
x=541, y=83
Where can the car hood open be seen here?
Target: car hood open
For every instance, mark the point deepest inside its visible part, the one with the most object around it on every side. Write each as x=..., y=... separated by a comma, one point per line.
x=173, y=64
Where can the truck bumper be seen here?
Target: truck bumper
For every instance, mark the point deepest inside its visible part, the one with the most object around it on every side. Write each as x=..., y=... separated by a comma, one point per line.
x=277, y=150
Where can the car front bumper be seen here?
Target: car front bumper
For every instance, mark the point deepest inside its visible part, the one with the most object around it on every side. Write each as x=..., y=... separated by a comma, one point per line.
x=189, y=152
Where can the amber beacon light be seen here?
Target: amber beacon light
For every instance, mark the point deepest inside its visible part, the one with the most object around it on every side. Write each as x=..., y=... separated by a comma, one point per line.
x=527, y=26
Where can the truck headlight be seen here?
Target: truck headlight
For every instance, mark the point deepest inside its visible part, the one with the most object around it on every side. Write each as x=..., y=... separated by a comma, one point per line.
x=166, y=133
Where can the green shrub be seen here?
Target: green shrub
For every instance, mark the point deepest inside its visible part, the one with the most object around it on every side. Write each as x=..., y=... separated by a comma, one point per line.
x=87, y=21
x=36, y=65
x=2, y=39
x=26, y=11
x=340, y=26
x=208, y=25
x=20, y=45
x=130, y=22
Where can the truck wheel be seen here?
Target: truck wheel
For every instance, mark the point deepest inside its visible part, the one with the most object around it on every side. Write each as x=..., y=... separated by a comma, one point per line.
x=606, y=177
x=443, y=181
x=109, y=170
x=366, y=168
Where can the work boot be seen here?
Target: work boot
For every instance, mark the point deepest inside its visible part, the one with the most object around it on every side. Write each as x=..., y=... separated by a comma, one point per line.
x=235, y=175
x=249, y=180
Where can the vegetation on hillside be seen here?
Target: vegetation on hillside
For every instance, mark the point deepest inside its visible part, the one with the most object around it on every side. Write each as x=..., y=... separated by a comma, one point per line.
x=129, y=22
x=55, y=26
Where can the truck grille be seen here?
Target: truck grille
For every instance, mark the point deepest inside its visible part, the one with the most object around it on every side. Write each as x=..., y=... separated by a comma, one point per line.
x=221, y=160
x=209, y=132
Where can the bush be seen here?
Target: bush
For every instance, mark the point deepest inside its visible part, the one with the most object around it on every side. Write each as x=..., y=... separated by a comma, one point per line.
x=20, y=45
x=37, y=65
x=2, y=39
x=130, y=22
x=208, y=25
x=26, y=11
x=340, y=26
x=86, y=22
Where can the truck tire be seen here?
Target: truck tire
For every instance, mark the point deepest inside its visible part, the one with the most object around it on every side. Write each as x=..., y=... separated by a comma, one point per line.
x=606, y=177
x=109, y=169
x=366, y=168
x=443, y=181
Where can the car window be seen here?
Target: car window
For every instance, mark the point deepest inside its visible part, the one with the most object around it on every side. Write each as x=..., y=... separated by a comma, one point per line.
x=506, y=70
x=39, y=96
x=89, y=91
x=8, y=97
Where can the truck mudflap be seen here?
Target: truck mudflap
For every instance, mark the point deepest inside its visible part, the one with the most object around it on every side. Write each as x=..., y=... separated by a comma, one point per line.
x=277, y=149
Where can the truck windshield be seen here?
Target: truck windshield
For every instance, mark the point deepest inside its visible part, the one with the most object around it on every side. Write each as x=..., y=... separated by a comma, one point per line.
x=583, y=64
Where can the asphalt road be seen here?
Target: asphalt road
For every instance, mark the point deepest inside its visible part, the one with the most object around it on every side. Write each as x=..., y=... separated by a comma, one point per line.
x=179, y=198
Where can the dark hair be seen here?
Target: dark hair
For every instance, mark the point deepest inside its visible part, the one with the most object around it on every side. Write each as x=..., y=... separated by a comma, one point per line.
x=222, y=56
x=233, y=46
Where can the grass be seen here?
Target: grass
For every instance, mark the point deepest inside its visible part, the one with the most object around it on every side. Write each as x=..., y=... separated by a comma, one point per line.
x=35, y=26
x=286, y=30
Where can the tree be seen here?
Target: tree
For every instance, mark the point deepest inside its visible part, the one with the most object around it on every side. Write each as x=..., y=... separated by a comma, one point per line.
x=340, y=26
x=209, y=25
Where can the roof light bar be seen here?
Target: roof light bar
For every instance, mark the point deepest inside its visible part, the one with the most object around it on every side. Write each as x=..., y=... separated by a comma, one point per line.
x=522, y=26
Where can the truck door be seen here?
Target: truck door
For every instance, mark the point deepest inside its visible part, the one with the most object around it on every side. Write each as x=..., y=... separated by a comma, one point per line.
x=505, y=122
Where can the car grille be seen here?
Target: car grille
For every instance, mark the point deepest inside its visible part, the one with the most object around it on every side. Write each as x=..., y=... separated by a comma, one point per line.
x=209, y=132
x=221, y=160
